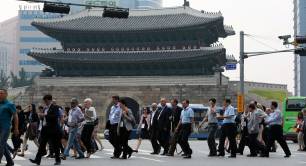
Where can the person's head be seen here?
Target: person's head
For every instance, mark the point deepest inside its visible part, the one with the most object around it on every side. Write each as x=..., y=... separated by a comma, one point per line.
x=300, y=115
x=259, y=106
x=252, y=107
x=18, y=108
x=41, y=109
x=254, y=102
x=47, y=99
x=268, y=111
x=74, y=103
x=122, y=103
x=66, y=112
x=115, y=99
x=145, y=110
x=185, y=103
x=174, y=102
x=154, y=106
x=274, y=105
x=3, y=94
x=87, y=102
x=212, y=101
x=304, y=111
x=227, y=102
x=163, y=102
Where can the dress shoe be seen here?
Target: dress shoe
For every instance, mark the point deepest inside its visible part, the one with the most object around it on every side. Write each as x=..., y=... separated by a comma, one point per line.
x=212, y=155
x=154, y=153
x=251, y=155
x=114, y=157
x=130, y=154
x=231, y=156
x=264, y=155
x=57, y=163
x=221, y=154
x=287, y=155
x=184, y=154
x=187, y=157
x=34, y=162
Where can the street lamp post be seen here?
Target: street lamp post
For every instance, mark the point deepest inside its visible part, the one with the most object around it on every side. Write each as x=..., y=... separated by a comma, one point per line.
x=241, y=63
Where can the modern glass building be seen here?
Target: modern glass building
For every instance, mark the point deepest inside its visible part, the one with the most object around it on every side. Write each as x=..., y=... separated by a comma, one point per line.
x=300, y=61
x=29, y=36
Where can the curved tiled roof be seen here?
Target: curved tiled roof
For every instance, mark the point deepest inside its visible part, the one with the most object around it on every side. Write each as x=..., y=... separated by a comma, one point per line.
x=166, y=18
x=125, y=56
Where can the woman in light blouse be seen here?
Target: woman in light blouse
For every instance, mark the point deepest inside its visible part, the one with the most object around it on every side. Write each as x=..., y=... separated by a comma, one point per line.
x=90, y=117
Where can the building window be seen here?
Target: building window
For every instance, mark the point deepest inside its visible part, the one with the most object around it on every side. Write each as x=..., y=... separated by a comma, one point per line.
x=37, y=40
x=28, y=28
x=28, y=62
x=24, y=51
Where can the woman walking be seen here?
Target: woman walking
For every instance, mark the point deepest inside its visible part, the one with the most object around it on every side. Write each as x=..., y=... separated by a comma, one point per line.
x=32, y=128
x=143, y=127
x=124, y=129
x=90, y=117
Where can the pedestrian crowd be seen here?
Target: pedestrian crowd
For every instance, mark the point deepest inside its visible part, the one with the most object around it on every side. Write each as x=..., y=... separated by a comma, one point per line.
x=62, y=132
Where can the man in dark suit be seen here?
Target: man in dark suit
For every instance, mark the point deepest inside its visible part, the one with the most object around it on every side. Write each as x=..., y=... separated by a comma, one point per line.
x=154, y=129
x=164, y=125
x=175, y=118
x=50, y=132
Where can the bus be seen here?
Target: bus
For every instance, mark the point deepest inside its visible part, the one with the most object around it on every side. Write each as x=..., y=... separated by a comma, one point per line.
x=291, y=107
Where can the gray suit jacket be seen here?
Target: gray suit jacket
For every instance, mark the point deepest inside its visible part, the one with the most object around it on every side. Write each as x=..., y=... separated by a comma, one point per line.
x=127, y=120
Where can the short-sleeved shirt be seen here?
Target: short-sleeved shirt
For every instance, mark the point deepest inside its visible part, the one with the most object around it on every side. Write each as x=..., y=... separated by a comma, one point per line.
x=186, y=115
x=229, y=111
x=212, y=115
x=7, y=109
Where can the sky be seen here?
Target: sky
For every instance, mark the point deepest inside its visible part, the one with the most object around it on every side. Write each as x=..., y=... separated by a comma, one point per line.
x=264, y=20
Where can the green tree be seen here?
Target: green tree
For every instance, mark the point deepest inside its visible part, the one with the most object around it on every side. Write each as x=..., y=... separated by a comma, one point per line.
x=22, y=80
x=4, y=80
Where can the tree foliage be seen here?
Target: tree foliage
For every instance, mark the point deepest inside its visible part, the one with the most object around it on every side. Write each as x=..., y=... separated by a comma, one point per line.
x=22, y=80
x=4, y=80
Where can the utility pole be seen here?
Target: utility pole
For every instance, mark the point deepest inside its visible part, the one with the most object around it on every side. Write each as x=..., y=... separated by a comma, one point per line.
x=241, y=63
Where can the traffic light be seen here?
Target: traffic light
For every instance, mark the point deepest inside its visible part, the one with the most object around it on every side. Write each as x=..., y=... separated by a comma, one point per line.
x=300, y=40
x=56, y=8
x=116, y=13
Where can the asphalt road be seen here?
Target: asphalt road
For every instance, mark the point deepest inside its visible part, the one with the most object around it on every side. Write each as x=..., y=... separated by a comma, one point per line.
x=199, y=158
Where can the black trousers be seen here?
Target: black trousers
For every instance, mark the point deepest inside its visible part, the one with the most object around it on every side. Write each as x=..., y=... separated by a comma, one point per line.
x=255, y=145
x=244, y=140
x=154, y=142
x=211, y=140
x=17, y=141
x=277, y=134
x=164, y=139
x=229, y=131
x=183, y=138
x=86, y=137
x=124, y=141
x=115, y=140
x=173, y=143
x=52, y=135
